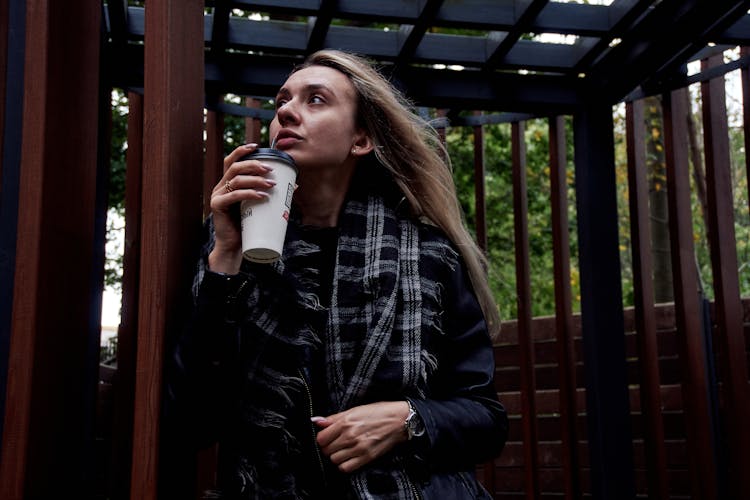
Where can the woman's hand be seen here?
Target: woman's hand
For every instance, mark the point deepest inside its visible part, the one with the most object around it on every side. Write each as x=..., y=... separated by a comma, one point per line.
x=242, y=180
x=359, y=435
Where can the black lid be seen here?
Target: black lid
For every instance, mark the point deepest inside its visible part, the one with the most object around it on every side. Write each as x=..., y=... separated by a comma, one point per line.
x=270, y=153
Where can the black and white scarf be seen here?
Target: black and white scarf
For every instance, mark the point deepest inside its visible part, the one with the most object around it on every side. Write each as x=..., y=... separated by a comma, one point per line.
x=385, y=296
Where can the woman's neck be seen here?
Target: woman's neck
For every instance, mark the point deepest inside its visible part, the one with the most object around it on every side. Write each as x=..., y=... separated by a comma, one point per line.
x=320, y=196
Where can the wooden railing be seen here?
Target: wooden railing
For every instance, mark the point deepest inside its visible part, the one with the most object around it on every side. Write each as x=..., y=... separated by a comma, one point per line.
x=507, y=479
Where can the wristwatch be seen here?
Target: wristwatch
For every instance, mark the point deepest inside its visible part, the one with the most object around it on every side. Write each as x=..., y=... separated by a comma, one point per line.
x=413, y=423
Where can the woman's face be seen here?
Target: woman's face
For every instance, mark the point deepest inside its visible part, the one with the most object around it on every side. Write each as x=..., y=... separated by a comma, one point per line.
x=315, y=118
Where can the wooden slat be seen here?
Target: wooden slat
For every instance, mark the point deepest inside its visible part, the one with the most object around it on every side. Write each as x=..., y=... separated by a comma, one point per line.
x=745, y=78
x=487, y=474
x=648, y=353
x=51, y=387
x=4, y=15
x=480, y=198
x=124, y=385
x=252, y=125
x=173, y=129
x=688, y=312
x=523, y=291
x=563, y=303
x=728, y=308
x=213, y=167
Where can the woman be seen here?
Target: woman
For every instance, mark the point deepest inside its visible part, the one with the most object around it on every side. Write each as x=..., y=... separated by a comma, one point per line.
x=360, y=365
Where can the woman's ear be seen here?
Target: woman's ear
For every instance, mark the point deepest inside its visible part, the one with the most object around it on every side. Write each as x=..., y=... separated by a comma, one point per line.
x=362, y=144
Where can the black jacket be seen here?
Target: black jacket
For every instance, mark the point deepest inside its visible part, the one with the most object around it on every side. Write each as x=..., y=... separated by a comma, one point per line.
x=464, y=421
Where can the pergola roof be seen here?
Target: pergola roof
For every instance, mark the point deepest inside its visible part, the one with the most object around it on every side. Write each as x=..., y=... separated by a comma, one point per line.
x=507, y=61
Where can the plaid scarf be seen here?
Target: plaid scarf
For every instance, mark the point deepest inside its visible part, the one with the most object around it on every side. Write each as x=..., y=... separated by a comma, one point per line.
x=385, y=297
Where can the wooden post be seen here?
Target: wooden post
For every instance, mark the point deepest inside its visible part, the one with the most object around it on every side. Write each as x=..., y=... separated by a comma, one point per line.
x=214, y=162
x=602, y=324
x=480, y=199
x=253, y=125
x=645, y=314
x=171, y=202
x=47, y=442
x=563, y=307
x=695, y=390
x=525, y=335
x=730, y=336
x=745, y=77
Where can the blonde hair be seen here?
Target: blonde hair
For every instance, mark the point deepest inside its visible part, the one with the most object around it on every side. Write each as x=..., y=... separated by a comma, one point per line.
x=409, y=147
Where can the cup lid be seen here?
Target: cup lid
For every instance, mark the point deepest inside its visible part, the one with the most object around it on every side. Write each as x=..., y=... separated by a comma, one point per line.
x=270, y=153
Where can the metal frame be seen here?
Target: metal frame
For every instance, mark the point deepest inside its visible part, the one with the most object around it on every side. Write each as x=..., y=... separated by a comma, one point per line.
x=620, y=48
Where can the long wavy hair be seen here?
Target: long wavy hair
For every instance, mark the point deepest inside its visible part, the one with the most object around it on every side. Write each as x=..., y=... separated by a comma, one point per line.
x=410, y=148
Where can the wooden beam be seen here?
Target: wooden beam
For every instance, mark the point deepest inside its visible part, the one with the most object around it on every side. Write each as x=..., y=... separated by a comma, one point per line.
x=563, y=306
x=728, y=308
x=643, y=290
x=480, y=198
x=11, y=126
x=213, y=167
x=523, y=291
x=124, y=384
x=745, y=77
x=701, y=448
x=171, y=202
x=607, y=408
x=48, y=437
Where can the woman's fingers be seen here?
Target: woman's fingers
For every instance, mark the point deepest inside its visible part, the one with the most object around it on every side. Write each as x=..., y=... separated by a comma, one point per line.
x=242, y=180
x=238, y=153
x=359, y=435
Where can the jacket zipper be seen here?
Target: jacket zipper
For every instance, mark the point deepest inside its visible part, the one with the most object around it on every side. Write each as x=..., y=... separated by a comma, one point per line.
x=312, y=425
x=413, y=488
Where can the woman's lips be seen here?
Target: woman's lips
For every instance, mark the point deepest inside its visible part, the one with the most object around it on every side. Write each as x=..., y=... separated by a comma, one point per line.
x=286, y=142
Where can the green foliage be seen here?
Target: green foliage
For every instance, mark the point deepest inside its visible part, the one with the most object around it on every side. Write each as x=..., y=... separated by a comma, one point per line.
x=499, y=211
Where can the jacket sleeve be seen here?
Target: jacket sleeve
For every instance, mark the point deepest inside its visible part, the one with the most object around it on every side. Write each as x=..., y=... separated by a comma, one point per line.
x=464, y=421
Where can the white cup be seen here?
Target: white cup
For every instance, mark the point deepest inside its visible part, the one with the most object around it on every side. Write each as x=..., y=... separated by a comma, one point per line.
x=264, y=221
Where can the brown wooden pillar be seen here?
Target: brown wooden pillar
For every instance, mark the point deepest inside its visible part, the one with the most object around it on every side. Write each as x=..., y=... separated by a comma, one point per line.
x=4, y=15
x=745, y=77
x=213, y=168
x=124, y=383
x=730, y=336
x=691, y=341
x=525, y=337
x=563, y=307
x=48, y=434
x=171, y=203
x=480, y=199
x=645, y=314
x=253, y=125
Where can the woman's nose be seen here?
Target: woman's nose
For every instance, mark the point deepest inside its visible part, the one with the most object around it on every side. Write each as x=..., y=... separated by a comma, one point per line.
x=287, y=114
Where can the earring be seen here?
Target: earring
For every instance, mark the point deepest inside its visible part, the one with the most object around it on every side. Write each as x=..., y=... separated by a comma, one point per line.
x=354, y=150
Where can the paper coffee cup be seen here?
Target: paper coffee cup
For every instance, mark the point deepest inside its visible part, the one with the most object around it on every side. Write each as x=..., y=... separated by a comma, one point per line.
x=264, y=221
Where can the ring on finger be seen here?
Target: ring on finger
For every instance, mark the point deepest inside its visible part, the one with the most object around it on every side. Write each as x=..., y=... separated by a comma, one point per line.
x=228, y=186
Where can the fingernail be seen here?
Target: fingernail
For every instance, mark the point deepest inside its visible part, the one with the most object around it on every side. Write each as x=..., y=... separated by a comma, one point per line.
x=268, y=168
x=250, y=145
x=271, y=182
x=317, y=419
x=262, y=194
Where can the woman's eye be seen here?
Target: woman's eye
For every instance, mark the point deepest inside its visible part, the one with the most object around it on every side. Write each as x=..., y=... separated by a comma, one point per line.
x=316, y=99
x=280, y=102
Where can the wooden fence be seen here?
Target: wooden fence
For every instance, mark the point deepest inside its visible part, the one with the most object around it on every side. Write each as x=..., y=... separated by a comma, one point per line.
x=506, y=476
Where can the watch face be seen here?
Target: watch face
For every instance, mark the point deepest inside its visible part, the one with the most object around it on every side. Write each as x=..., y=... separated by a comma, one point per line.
x=414, y=425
